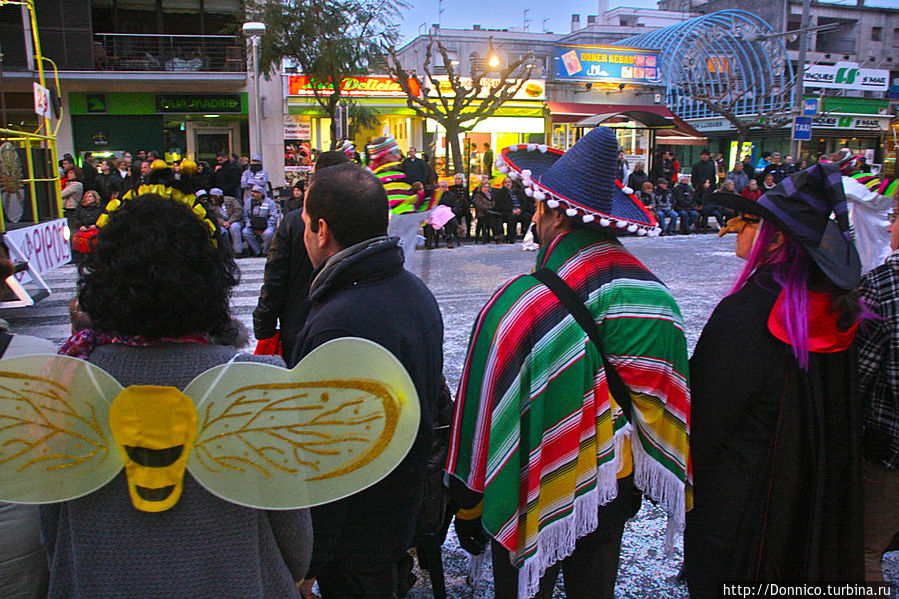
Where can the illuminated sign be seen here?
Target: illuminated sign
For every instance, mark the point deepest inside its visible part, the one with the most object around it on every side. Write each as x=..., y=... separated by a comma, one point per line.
x=846, y=75
x=205, y=103
x=300, y=85
x=607, y=64
x=533, y=89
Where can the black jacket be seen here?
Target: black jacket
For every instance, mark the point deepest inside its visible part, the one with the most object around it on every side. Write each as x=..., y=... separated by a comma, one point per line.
x=779, y=170
x=227, y=178
x=682, y=196
x=285, y=288
x=502, y=201
x=415, y=169
x=369, y=294
x=107, y=185
x=704, y=170
x=461, y=192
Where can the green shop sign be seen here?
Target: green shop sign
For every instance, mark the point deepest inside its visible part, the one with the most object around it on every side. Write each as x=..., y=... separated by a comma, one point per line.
x=207, y=103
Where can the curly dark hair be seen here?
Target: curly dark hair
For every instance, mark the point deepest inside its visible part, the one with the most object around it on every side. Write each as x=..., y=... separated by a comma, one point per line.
x=154, y=272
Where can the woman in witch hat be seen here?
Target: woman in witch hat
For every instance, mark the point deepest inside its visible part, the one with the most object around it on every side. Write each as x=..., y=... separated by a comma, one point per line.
x=775, y=437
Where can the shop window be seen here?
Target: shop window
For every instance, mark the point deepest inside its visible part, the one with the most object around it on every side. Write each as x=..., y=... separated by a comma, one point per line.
x=876, y=34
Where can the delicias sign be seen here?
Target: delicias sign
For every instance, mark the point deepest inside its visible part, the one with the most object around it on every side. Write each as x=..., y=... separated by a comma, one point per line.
x=300, y=85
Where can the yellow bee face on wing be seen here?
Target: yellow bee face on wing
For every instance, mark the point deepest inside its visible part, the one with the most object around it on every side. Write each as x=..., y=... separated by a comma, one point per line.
x=154, y=428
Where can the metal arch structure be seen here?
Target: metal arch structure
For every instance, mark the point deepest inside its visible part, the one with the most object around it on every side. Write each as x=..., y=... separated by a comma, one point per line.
x=730, y=57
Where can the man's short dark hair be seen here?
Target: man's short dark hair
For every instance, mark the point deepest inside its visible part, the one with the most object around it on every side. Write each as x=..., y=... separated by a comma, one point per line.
x=351, y=200
x=329, y=159
x=661, y=180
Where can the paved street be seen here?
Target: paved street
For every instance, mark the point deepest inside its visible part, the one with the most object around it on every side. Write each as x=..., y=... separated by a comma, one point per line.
x=698, y=270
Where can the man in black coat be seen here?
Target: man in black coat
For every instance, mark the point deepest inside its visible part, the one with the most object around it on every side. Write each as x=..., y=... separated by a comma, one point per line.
x=704, y=170
x=226, y=176
x=463, y=213
x=415, y=168
x=361, y=289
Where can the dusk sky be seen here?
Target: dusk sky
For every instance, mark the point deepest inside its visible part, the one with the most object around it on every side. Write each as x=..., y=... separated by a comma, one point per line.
x=501, y=14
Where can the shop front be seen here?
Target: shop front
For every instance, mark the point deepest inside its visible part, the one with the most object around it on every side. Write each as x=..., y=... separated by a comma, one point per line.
x=519, y=120
x=175, y=125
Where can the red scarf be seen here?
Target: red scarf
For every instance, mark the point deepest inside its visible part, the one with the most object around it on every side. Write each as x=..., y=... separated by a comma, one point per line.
x=824, y=336
x=81, y=344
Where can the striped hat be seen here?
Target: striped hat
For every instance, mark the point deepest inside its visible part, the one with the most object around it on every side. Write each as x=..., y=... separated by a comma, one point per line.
x=581, y=182
x=386, y=146
x=348, y=148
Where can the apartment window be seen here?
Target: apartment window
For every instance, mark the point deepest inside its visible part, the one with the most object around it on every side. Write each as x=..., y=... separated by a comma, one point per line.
x=896, y=37
x=840, y=40
x=876, y=34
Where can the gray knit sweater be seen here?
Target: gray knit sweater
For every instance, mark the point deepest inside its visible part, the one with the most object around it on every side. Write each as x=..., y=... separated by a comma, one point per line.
x=100, y=546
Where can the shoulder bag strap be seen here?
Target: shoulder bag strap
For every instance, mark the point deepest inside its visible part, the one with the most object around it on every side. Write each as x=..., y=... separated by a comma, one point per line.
x=573, y=303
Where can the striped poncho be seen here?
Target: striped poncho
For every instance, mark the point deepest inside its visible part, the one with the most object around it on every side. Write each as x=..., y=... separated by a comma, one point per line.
x=534, y=418
x=400, y=196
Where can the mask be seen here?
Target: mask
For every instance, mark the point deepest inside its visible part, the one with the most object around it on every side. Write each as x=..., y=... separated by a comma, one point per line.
x=154, y=428
x=255, y=168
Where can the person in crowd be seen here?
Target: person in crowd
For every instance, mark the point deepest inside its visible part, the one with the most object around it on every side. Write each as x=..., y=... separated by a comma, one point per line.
x=23, y=559
x=502, y=204
x=763, y=162
x=621, y=167
x=488, y=221
x=123, y=167
x=863, y=165
x=360, y=540
x=801, y=165
x=777, y=169
x=637, y=178
x=706, y=206
x=229, y=215
x=664, y=205
x=878, y=357
x=704, y=170
x=789, y=165
x=284, y=298
x=414, y=168
x=226, y=176
x=685, y=204
x=739, y=177
x=202, y=179
x=752, y=191
x=776, y=419
x=384, y=162
x=646, y=193
x=141, y=155
x=569, y=512
x=295, y=201
x=748, y=168
x=88, y=211
x=144, y=173
x=71, y=193
x=260, y=217
x=136, y=178
x=449, y=230
x=721, y=166
x=430, y=174
x=487, y=161
x=522, y=208
x=462, y=193
x=108, y=182
x=768, y=182
x=669, y=167
x=252, y=176
x=159, y=315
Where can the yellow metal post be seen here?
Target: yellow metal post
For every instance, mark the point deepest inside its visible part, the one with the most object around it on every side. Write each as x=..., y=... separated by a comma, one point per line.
x=30, y=160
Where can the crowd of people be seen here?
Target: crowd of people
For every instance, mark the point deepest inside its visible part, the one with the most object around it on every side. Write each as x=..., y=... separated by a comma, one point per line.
x=773, y=449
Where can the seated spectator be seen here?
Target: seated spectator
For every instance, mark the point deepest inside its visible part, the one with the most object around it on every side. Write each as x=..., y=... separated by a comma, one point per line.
x=450, y=229
x=706, y=209
x=685, y=204
x=229, y=215
x=728, y=186
x=260, y=218
x=487, y=216
x=662, y=201
x=463, y=213
x=752, y=190
x=83, y=223
x=522, y=208
x=646, y=194
x=502, y=198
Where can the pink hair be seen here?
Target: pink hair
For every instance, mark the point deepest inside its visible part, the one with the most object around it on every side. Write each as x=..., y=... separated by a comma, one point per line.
x=790, y=268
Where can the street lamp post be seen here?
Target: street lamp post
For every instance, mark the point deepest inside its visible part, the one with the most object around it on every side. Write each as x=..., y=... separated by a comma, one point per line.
x=255, y=31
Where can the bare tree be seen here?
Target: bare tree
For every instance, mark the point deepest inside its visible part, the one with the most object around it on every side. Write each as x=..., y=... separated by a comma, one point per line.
x=467, y=102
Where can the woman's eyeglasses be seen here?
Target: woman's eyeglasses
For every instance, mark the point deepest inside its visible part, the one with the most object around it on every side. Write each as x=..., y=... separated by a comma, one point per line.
x=892, y=216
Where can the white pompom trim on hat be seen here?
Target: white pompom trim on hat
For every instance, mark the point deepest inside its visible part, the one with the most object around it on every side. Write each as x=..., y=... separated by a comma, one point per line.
x=540, y=196
x=653, y=232
x=543, y=148
x=504, y=170
x=605, y=222
x=552, y=204
x=529, y=192
x=532, y=147
x=572, y=212
x=632, y=228
x=621, y=224
x=627, y=190
x=641, y=232
x=526, y=173
x=588, y=218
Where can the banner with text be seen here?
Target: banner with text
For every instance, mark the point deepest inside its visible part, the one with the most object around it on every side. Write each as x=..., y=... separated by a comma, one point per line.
x=608, y=64
x=45, y=246
x=374, y=86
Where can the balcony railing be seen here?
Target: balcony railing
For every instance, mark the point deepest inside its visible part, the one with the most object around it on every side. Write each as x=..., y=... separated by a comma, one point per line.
x=172, y=53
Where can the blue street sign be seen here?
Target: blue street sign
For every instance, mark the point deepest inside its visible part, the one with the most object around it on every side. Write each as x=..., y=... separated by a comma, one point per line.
x=810, y=107
x=802, y=128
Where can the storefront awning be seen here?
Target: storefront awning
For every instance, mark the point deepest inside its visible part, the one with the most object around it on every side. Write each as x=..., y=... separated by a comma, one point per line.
x=651, y=116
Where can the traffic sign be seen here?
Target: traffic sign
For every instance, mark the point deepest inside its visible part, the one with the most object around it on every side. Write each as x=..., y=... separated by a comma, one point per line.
x=802, y=128
x=810, y=107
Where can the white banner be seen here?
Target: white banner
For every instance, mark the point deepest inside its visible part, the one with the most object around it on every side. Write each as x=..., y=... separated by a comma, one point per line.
x=43, y=246
x=297, y=127
x=846, y=75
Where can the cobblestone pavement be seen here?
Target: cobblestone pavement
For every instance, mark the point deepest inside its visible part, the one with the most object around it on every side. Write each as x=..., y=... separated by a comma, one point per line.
x=698, y=269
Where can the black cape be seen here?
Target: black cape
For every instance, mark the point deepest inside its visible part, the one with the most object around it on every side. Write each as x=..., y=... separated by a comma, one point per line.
x=776, y=455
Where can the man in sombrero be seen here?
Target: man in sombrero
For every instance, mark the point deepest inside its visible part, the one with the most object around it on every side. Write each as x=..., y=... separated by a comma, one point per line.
x=543, y=459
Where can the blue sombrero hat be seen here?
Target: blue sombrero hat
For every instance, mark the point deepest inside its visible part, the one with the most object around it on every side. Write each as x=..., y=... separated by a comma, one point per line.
x=811, y=207
x=581, y=182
